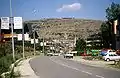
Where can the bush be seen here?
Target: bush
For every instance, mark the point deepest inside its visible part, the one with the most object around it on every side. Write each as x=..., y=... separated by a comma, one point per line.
x=6, y=58
x=5, y=48
x=93, y=58
x=117, y=65
x=5, y=63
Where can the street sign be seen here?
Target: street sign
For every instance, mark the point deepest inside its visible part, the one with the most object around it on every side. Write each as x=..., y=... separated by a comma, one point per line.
x=19, y=37
x=41, y=44
x=32, y=41
x=4, y=22
x=36, y=40
x=44, y=43
x=17, y=22
x=26, y=36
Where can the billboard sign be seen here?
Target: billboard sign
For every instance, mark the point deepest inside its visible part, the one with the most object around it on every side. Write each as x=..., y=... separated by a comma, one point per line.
x=17, y=22
x=4, y=22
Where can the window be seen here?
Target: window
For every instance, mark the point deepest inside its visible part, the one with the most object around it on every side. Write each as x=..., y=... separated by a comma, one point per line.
x=110, y=54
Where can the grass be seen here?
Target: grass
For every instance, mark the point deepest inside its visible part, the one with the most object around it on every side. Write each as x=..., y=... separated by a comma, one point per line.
x=93, y=58
x=115, y=65
x=5, y=63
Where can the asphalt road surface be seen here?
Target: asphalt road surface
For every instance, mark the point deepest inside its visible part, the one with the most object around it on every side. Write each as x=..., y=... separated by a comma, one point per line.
x=58, y=67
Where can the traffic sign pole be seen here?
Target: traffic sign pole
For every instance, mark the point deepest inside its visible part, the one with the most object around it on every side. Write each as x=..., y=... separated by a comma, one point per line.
x=23, y=39
x=12, y=32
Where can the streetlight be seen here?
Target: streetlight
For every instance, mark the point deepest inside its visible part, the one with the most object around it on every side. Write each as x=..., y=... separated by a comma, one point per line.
x=34, y=42
x=12, y=31
x=34, y=39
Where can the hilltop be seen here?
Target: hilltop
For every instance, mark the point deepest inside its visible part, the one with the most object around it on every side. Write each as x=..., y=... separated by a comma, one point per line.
x=66, y=27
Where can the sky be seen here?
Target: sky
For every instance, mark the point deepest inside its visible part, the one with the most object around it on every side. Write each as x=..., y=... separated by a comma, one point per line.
x=37, y=9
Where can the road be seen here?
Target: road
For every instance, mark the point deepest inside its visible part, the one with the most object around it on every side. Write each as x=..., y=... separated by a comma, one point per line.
x=58, y=67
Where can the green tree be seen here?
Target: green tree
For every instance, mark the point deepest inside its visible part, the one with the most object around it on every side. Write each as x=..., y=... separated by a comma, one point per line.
x=80, y=44
x=113, y=11
x=106, y=31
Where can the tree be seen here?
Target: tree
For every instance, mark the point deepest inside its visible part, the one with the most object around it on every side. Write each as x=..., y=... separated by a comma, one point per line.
x=106, y=32
x=80, y=44
x=113, y=11
x=26, y=29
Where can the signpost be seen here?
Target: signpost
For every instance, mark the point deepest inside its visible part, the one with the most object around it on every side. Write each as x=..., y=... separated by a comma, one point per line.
x=19, y=37
x=32, y=41
x=26, y=37
x=4, y=22
x=18, y=23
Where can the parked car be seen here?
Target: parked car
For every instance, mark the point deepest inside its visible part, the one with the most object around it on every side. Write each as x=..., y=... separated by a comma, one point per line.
x=49, y=54
x=56, y=54
x=68, y=55
x=111, y=57
x=104, y=52
x=118, y=52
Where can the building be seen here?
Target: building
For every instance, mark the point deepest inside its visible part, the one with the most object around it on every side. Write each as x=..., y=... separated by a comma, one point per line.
x=116, y=34
x=94, y=41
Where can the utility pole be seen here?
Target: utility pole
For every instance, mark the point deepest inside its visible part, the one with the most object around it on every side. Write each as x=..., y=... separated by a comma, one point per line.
x=23, y=41
x=34, y=41
x=12, y=31
x=43, y=45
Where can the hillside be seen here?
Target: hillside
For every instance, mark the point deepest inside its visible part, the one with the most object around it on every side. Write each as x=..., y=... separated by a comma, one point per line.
x=66, y=27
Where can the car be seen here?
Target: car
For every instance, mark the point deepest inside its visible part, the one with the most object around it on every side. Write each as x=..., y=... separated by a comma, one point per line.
x=111, y=57
x=49, y=54
x=118, y=52
x=104, y=52
x=68, y=55
x=56, y=54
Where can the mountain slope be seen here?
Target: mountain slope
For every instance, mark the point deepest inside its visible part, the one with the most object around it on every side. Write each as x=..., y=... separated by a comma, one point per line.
x=66, y=27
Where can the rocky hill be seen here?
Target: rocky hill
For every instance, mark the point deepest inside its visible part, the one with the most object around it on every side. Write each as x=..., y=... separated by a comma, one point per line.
x=66, y=27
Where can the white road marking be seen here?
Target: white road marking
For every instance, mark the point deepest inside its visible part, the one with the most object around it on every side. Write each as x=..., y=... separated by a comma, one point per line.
x=73, y=68
x=87, y=72
x=99, y=76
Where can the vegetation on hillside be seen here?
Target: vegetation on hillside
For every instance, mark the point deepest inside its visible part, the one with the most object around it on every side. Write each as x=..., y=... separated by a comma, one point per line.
x=58, y=27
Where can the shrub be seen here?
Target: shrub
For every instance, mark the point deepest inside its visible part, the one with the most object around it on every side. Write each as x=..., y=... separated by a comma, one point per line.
x=93, y=58
x=5, y=63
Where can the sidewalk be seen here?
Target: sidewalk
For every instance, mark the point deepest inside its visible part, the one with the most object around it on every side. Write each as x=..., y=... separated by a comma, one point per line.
x=25, y=69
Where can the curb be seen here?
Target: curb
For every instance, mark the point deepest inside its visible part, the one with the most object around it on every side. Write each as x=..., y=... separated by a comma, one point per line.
x=28, y=71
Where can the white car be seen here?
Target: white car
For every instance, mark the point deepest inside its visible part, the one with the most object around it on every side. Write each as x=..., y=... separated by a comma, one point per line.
x=111, y=56
x=68, y=55
x=56, y=54
x=49, y=54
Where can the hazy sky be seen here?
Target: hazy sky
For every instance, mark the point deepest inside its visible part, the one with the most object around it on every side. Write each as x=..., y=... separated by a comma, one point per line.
x=36, y=9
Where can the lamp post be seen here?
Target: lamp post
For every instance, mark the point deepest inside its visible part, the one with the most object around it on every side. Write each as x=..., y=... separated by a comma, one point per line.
x=12, y=31
x=34, y=42
x=23, y=40
x=34, y=39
